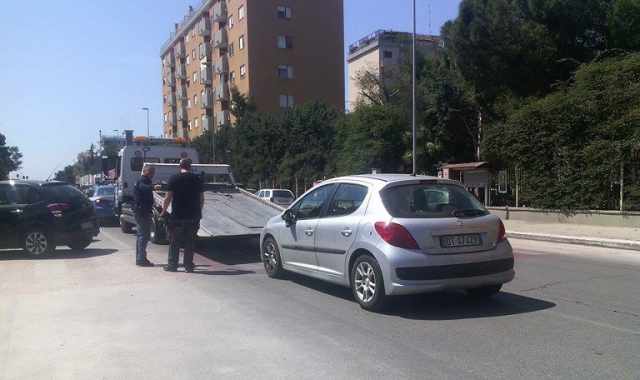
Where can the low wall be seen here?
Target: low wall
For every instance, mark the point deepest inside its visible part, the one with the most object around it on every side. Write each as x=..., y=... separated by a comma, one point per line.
x=592, y=218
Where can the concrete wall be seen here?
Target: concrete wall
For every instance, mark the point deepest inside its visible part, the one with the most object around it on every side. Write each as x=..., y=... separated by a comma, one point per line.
x=592, y=218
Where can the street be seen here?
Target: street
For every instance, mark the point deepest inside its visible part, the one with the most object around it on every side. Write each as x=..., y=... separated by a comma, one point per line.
x=572, y=312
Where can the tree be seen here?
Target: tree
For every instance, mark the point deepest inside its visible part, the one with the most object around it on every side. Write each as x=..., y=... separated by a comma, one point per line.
x=10, y=158
x=68, y=174
x=624, y=25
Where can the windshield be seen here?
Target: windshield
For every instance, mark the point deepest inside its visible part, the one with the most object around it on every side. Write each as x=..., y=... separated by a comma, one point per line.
x=282, y=194
x=105, y=191
x=62, y=193
x=431, y=201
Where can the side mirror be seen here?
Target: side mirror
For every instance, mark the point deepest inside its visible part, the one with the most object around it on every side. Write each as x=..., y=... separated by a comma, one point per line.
x=289, y=217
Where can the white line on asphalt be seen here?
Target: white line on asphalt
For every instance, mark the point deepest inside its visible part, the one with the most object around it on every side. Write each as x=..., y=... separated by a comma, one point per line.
x=599, y=324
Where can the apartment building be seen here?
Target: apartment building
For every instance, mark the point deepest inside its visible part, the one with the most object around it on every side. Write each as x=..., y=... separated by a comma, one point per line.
x=280, y=53
x=382, y=53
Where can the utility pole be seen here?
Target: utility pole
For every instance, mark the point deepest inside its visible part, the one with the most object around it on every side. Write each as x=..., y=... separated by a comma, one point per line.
x=413, y=91
x=147, y=109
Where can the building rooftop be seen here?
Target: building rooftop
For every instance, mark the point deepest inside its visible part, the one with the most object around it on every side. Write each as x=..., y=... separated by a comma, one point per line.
x=192, y=15
x=389, y=35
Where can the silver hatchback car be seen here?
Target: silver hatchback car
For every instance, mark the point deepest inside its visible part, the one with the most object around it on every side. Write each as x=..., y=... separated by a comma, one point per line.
x=390, y=234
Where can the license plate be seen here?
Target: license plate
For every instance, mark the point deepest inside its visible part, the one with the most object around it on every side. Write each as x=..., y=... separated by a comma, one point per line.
x=86, y=225
x=452, y=241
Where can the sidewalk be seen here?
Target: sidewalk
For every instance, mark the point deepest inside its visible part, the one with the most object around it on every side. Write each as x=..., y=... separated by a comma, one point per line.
x=609, y=237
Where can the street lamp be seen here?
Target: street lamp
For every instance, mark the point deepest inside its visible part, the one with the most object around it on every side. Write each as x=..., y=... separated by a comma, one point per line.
x=147, y=109
x=413, y=91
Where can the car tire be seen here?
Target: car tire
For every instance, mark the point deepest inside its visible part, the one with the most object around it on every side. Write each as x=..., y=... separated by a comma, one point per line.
x=158, y=232
x=484, y=291
x=367, y=284
x=80, y=244
x=126, y=227
x=271, y=258
x=38, y=243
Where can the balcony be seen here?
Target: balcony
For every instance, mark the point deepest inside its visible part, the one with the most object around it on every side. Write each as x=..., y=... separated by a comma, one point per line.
x=205, y=53
x=204, y=28
x=222, y=66
x=171, y=78
x=206, y=76
x=172, y=120
x=171, y=100
x=206, y=123
x=220, y=39
x=168, y=61
x=222, y=90
x=207, y=100
x=181, y=72
x=180, y=51
x=182, y=114
x=182, y=93
x=223, y=118
x=220, y=13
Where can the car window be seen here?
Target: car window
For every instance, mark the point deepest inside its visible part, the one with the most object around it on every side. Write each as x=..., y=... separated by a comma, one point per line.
x=105, y=192
x=62, y=193
x=260, y=194
x=311, y=205
x=282, y=194
x=138, y=162
x=347, y=200
x=26, y=195
x=431, y=200
x=7, y=195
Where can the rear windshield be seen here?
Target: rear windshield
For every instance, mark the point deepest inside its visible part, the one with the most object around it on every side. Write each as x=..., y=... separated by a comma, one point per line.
x=105, y=191
x=431, y=201
x=61, y=193
x=282, y=194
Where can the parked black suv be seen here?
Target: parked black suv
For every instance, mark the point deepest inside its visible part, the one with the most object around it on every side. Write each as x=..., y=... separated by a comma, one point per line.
x=38, y=216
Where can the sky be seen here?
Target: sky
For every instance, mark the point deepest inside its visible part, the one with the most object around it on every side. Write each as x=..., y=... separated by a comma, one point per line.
x=70, y=68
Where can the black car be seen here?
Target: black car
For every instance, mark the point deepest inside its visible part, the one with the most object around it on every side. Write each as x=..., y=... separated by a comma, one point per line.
x=38, y=216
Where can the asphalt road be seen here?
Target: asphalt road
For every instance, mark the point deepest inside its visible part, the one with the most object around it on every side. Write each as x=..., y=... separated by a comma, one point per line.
x=572, y=312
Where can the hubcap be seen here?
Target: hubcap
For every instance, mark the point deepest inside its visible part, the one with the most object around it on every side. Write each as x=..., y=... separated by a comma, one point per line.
x=365, y=281
x=36, y=243
x=270, y=258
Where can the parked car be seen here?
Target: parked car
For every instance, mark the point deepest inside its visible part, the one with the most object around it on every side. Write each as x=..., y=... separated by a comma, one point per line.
x=281, y=197
x=104, y=199
x=38, y=216
x=385, y=235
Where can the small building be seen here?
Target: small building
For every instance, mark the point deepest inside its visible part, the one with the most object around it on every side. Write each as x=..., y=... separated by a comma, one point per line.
x=475, y=176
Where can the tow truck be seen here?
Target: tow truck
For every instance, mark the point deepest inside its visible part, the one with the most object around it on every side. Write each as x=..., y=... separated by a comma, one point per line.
x=229, y=211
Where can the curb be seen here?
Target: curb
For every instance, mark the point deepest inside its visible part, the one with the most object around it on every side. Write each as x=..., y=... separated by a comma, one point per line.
x=604, y=243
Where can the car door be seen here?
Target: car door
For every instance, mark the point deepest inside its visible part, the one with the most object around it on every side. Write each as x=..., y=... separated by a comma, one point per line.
x=337, y=230
x=297, y=241
x=9, y=217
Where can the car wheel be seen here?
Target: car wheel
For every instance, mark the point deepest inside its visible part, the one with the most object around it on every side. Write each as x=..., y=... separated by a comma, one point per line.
x=484, y=291
x=37, y=243
x=127, y=228
x=367, y=284
x=271, y=258
x=80, y=244
x=158, y=232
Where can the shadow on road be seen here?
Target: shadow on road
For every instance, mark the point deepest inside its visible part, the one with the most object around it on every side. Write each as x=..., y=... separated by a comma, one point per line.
x=230, y=272
x=449, y=305
x=59, y=254
x=231, y=251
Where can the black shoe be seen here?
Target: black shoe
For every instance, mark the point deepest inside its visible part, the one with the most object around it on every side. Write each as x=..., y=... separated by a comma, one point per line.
x=189, y=268
x=145, y=263
x=170, y=269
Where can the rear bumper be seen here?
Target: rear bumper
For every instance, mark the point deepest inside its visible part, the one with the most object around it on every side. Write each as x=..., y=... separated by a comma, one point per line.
x=411, y=273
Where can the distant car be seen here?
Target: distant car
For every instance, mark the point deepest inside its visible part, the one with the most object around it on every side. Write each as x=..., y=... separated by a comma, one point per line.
x=281, y=197
x=385, y=235
x=38, y=216
x=104, y=199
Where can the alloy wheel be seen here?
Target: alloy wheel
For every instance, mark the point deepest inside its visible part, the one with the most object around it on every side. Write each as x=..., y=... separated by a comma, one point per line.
x=365, y=281
x=36, y=243
x=270, y=257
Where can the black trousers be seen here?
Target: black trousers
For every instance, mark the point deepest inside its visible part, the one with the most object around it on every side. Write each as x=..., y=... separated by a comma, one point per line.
x=182, y=234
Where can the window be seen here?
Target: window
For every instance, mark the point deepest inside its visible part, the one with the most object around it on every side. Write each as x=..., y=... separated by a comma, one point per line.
x=189, y=103
x=138, y=161
x=189, y=126
x=201, y=49
x=195, y=77
x=187, y=38
x=188, y=59
x=311, y=205
x=284, y=12
x=388, y=54
x=285, y=72
x=195, y=100
x=164, y=117
x=286, y=101
x=66, y=193
x=243, y=71
x=196, y=122
x=241, y=42
x=105, y=191
x=347, y=200
x=232, y=77
x=431, y=200
x=193, y=53
x=230, y=22
x=231, y=50
x=241, y=13
x=285, y=42
x=204, y=122
x=164, y=99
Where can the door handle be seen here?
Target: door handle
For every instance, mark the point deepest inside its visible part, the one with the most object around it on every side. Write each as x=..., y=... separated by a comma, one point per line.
x=347, y=232
x=308, y=232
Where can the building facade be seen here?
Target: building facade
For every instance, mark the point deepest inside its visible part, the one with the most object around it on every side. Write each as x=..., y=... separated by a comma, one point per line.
x=277, y=52
x=381, y=54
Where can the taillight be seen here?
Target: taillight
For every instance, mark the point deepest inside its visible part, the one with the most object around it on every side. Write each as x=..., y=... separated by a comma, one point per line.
x=396, y=235
x=58, y=209
x=502, y=232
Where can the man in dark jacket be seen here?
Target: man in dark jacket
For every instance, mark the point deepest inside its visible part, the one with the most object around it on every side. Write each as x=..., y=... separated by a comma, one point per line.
x=186, y=198
x=143, y=209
